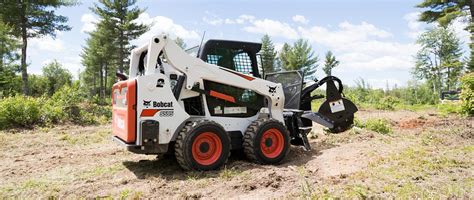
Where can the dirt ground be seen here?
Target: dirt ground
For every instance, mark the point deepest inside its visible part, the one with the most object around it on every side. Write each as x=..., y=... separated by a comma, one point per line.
x=426, y=156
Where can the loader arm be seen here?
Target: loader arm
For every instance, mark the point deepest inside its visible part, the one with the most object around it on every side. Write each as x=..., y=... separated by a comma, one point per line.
x=196, y=71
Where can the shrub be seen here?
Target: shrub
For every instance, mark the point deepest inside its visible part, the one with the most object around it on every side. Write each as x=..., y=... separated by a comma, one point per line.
x=20, y=111
x=467, y=94
x=387, y=103
x=449, y=108
x=378, y=125
x=66, y=105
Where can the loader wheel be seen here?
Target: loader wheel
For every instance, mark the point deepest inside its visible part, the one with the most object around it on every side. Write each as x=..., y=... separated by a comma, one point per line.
x=202, y=145
x=266, y=141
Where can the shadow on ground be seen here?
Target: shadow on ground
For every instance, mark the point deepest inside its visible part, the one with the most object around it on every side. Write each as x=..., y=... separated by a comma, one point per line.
x=167, y=167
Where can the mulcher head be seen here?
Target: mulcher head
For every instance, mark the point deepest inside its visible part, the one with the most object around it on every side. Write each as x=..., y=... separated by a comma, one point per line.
x=336, y=112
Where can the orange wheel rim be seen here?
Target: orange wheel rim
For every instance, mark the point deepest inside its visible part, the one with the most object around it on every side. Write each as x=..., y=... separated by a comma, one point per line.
x=207, y=148
x=272, y=143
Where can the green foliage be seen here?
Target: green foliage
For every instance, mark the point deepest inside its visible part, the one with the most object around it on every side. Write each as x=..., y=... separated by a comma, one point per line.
x=108, y=46
x=8, y=45
x=99, y=62
x=449, y=108
x=30, y=19
x=268, y=55
x=119, y=17
x=438, y=60
x=413, y=96
x=387, y=103
x=378, y=125
x=56, y=76
x=444, y=12
x=9, y=83
x=37, y=84
x=300, y=56
x=330, y=63
x=467, y=94
x=20, y=111
x=66, y=105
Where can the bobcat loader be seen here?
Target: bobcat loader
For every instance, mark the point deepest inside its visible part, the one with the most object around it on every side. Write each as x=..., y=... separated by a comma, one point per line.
x=202, y=108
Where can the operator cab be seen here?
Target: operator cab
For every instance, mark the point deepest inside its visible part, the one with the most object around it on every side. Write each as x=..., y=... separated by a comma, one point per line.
x=237, y=56
x=234, y=55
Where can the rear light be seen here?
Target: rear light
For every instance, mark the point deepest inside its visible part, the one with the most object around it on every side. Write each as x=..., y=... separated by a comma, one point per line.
x=124, y=110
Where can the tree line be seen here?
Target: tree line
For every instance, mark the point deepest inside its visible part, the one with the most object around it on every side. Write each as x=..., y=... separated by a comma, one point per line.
x=296, y=56
x=440, y=60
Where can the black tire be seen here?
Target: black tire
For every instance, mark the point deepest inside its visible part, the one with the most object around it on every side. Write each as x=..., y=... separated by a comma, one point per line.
x=196, y=140
x=253, y=140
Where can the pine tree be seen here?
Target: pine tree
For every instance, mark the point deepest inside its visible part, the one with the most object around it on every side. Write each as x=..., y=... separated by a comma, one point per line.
x=285, y=54
x=445, y=11
x=98, y=60
x=268, y=55
x=300, y=56
x=438, y=60
x=8, y=45
x=118, y=16
x=9, y=81
x=29, y=19
x=330, y=63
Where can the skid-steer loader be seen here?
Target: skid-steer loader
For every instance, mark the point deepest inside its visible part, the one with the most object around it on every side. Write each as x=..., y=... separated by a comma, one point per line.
x=202, y=107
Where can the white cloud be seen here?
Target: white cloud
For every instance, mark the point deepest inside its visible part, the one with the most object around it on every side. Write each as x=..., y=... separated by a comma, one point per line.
x=346, y=33
x=69, y=61
x=272, y=28
x=414, y=26
x=161, y=24
x=363, y=46
x=300, y=19
x=215, y=20
x=46, y=43
x=458, y=27
x=89, y=20
x=245, y=18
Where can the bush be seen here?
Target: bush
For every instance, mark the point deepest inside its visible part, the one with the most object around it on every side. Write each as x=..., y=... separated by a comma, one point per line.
x=387, y=103
x=449, y=108
x=467, y=94
x=66, y=105
x=378, y=125
x=20, y=111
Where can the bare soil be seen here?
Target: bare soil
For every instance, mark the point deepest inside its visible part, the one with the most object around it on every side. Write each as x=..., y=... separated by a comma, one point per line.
x=425, y=156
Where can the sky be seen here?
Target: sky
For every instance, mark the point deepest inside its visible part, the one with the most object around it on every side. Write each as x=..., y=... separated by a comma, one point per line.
x=373, y=39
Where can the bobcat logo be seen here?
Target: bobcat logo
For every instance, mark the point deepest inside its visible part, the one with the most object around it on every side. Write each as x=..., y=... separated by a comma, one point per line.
x=146, y=103
x=272, y=90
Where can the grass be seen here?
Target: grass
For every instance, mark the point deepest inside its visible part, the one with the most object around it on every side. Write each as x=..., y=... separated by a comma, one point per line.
x=129, y=194
x=381, y=126
x=435, y=164
x=447, y=108
x=228, y=174
x=85, y=138
x=305, y=186
x=30, y=187
x=443, y=109
x=102, y=171
x=406, y=173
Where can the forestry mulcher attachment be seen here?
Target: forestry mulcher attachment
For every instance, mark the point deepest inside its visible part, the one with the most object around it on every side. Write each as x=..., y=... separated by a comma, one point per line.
x=202, y=108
